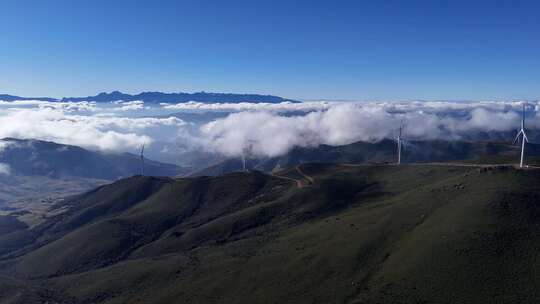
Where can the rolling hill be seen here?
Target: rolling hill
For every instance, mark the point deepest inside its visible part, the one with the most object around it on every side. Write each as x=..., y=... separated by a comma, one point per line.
x=346, y=233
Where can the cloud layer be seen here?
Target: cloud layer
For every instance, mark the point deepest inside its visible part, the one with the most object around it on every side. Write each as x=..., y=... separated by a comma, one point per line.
x=246, y=106
x=5, y=169
x=259, y=129
x=101, y=131
x=266, y=133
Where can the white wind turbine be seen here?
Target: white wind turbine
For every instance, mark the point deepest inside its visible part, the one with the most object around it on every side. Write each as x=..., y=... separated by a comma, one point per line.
x=142, y=160
x=244, y=160
x=521, y=133
x=246, y=152
x=399, y=141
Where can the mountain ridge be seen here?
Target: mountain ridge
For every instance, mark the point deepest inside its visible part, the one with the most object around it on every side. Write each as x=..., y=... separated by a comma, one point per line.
x=161, y=97
x=380, y=152
x=39, y=157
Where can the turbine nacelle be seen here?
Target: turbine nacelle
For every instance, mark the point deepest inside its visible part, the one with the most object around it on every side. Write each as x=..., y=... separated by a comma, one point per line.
x=520, y=134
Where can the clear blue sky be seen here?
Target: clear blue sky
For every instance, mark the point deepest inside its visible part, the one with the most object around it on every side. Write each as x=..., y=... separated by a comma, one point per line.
x=298, y=49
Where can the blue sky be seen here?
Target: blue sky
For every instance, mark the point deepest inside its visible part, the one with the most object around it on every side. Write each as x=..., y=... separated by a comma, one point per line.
x=298, y=49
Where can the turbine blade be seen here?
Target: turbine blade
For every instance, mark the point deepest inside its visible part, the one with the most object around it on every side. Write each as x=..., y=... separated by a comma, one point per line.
x=516, y=140
x=525, y=137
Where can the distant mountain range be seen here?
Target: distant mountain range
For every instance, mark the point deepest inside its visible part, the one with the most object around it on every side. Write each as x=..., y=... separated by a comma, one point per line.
x=160, y=97
x=6, y=97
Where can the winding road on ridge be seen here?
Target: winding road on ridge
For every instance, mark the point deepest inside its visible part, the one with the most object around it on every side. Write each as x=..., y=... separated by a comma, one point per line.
x=300, y=183
x=310, y=179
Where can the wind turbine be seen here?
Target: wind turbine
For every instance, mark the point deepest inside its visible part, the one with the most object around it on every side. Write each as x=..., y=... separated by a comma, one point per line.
x=523, y=135
x=142, y=160
x=399, y=142
x=246, y=152
x=244, y=160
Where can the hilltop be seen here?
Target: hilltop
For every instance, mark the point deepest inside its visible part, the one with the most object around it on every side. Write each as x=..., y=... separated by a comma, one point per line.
x=344, y=234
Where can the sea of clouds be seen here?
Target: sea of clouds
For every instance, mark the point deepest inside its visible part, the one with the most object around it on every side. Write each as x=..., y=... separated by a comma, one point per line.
x=265, y=130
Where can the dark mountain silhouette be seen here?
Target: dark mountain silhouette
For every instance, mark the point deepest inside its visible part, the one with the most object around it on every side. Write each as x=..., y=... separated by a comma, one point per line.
x=5, y=97
x=160, y=97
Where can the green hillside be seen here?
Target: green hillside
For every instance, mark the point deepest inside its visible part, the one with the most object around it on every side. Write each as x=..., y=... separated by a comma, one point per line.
x=353, y=234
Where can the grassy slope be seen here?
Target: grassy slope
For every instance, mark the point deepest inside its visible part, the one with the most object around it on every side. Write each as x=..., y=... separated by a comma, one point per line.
x=99, y=239
x=411, y=234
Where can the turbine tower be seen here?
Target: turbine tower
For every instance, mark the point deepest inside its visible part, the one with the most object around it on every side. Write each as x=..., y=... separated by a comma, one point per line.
x=521, y=133
x=142, y=160
x=399, y=143
x=246, y=152
x=244, y=160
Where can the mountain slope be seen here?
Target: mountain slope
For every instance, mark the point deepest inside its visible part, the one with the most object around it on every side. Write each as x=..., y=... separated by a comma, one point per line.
x=356, y=234
x=42, y=158
x=40, y=172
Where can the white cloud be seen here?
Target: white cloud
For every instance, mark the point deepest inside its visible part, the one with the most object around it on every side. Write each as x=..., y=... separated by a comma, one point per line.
x=269, y=134
x=247, y=106
x=107, y=133
x=4, y=145
x=66, y=106
x=263, y=127
x=5, y=169
x=129, y=105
